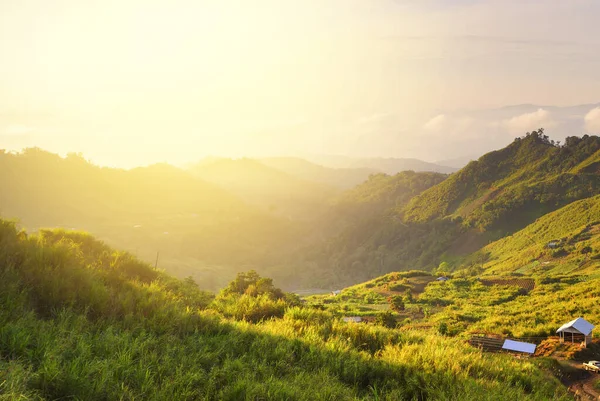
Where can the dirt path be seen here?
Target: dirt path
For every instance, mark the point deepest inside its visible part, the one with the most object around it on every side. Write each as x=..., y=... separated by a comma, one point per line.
x=583, y=385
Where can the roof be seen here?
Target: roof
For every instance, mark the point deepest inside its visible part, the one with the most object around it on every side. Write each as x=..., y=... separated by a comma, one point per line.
x=511, y=345
x=579, y=325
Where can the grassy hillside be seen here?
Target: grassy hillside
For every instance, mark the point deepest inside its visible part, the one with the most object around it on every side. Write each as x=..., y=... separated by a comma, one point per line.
x=518, y=286
x=79, y=320
x=509, y=188
x=565, y=241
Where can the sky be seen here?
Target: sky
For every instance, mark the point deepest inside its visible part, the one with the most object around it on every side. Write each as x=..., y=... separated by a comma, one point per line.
x=132, y=82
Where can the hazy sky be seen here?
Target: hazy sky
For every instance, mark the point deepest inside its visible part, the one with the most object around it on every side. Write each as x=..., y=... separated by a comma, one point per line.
x=136, y=81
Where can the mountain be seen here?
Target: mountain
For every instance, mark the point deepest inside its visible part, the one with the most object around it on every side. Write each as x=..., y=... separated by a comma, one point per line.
x=266, y=187
x=509, y=188
x=343, y=178
x=161, y=213
x=385, y=165
x=359, y=236
x=488, y=199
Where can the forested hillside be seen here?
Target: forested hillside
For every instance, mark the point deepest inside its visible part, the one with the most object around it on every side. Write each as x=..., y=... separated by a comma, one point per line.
x=492, y=197
x=196, y=228
x=509, y=188
x=267, y=188
x=302, y=233
x=79, y=320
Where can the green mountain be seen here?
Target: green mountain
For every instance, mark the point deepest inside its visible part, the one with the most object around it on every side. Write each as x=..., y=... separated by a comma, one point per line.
x=488, y=199
x=566, y=241
x=193, y=227
x=79, y=320
x=509, y=188
x=362, y=237
x=266, y=187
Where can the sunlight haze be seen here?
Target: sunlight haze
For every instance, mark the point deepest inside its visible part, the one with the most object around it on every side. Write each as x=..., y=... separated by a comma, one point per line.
x=134, y=82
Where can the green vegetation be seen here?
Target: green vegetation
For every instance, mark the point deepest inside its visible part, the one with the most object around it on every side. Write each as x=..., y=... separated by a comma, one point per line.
x=79, y=320
x=497, y=195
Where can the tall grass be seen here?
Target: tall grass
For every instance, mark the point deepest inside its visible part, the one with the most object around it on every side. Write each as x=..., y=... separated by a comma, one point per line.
x=81, y=321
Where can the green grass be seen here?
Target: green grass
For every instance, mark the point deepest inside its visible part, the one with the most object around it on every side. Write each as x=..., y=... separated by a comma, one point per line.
x=81, y=321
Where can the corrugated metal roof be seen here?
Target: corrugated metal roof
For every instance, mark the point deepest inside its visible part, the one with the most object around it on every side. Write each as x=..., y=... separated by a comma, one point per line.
x=511, y=345
x=579, y=325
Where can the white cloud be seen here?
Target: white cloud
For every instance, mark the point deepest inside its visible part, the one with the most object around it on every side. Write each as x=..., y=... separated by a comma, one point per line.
x=529, y=121
x=592, y=121
x=436, y=124
x=17, y=130
x=456, y=126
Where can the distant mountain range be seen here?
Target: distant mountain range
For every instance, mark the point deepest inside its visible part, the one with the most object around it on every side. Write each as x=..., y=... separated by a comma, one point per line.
x=381, y=164
x=301, y=223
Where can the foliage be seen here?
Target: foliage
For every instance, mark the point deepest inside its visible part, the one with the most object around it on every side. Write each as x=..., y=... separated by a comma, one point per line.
x=79, y=320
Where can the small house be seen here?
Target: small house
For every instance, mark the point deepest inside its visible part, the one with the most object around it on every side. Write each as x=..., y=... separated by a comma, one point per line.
x=336, y=293
x=553, y=244
x=352, y=319
x=442, y=278
x=577, y=331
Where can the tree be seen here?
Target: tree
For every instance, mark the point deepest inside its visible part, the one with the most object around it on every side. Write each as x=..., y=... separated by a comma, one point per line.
x=386, y=319
x=396, y=303
x=251, y=283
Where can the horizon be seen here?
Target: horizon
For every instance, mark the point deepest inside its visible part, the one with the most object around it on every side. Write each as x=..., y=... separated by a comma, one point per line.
x=180, y=81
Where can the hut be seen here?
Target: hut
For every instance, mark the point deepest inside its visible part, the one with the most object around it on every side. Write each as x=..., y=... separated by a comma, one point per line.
x=578, y=331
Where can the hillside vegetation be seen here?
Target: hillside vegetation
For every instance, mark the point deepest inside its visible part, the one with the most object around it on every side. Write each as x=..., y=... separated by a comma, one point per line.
x=524, y=285
x=267, y=188
x=509, y=188
x=488, y=199
x=196, y=227
x=79, y=320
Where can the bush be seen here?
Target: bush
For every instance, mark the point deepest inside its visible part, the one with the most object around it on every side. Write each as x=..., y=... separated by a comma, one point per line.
x=386, y=319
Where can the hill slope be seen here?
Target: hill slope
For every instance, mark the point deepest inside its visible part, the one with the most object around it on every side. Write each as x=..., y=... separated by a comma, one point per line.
x=566, y=241
x=79, y=320
x=509, y=188
x=266, y=187
x=196, y=227
x=497, y=195
x=389, y=165
x=343, y=178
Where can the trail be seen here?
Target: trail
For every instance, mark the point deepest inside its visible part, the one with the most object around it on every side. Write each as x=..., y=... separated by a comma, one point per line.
x=582, y=386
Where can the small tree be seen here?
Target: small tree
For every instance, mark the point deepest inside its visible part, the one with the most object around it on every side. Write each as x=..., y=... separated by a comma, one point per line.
x=396, y=303
x=386, y=319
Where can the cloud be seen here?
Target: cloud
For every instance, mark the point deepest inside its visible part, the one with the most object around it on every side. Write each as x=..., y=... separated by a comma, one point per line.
x=456, y=126
x=17, y=130
x=436, y=124
x=529, y=121
x=592, y=121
